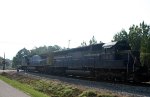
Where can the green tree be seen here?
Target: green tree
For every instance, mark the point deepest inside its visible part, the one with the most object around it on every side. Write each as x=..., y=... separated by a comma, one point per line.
x=135, y=37
x=44, y=49
x=83, y=44
x=122, y=35
x=39, y=50
x=92, y=41
x=145, y=44
x=18, y=59
x=139, y=40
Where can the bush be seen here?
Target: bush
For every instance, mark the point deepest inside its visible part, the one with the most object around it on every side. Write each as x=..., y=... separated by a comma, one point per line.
x=70, y=92
x=106, y=96
x=88, y=94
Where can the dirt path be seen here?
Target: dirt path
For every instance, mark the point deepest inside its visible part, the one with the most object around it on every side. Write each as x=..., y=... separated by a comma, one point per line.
x=8, y=91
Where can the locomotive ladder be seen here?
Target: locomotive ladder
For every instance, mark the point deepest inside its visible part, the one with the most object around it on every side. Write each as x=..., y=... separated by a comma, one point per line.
x=133, y=65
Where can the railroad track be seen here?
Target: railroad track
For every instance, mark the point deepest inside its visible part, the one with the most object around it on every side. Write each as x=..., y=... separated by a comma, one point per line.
x=144, y=84
x=132, y=90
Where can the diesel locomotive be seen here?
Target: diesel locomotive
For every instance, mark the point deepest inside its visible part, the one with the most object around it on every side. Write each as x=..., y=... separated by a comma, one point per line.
x=109, y=61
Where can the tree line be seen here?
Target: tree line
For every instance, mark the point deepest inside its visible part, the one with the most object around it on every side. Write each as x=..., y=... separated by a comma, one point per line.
x=21, y=54
x=18, y=59
x=7, y=62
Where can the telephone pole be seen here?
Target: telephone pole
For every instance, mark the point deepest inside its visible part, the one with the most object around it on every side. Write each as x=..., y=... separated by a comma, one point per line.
x=4, y=62
x=68, y=43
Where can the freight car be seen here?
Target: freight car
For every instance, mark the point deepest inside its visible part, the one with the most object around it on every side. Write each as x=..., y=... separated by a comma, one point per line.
x=109, y=61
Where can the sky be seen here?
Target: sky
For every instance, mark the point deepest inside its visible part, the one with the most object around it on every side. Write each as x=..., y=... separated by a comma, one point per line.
x=34, y=23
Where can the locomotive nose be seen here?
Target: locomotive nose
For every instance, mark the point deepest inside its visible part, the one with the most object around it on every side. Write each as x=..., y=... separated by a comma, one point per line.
x=143, y=74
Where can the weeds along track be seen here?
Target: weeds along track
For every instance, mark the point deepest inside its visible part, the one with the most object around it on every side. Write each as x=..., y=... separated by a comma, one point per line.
x=121, y=89
x=55, y=88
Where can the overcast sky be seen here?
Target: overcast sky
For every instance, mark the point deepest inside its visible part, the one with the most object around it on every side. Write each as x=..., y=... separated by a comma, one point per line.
x=34, y=23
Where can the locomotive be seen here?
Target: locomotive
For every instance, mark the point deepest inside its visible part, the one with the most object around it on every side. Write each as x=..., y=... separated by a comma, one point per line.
x=109, y=61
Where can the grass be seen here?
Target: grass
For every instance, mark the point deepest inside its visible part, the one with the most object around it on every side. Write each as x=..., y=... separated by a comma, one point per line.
x=42, y=87
x=23, y=87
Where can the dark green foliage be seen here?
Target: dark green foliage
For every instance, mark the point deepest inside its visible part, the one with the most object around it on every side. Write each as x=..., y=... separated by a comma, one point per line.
x=56, y=89
x=94, y=94
x=18, y=59
x=145, y=44
x=106, y=96
x=83, y=44
x=44, y=49
x=7, y=63
x=92, y=41
x=139, y=40
x=88, y=94
x=122, y=35
x=135, y=37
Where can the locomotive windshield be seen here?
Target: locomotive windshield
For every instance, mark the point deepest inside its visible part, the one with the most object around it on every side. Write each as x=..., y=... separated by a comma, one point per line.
x=122, y=45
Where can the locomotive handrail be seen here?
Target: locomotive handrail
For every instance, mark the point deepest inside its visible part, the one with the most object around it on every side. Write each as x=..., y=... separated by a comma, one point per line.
x=128, y=63
x=134, y=58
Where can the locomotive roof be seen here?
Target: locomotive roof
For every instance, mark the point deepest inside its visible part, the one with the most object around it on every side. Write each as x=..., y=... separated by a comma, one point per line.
x=118, y=45
x=93, y=46
x=97, y=47
x=109, y=45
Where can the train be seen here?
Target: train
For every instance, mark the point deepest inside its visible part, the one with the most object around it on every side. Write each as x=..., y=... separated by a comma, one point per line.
x=106, y=61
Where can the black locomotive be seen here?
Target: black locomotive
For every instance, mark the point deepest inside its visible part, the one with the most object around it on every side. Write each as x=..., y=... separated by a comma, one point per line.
x=109, y=61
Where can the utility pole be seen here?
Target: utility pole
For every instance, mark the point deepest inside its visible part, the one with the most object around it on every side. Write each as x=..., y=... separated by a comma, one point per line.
x=68, y=43
x=4, y=62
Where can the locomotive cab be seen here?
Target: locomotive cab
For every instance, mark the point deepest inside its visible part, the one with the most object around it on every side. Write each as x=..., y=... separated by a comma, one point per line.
x=120, y=58
x=134, y=69
x=119, y=50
